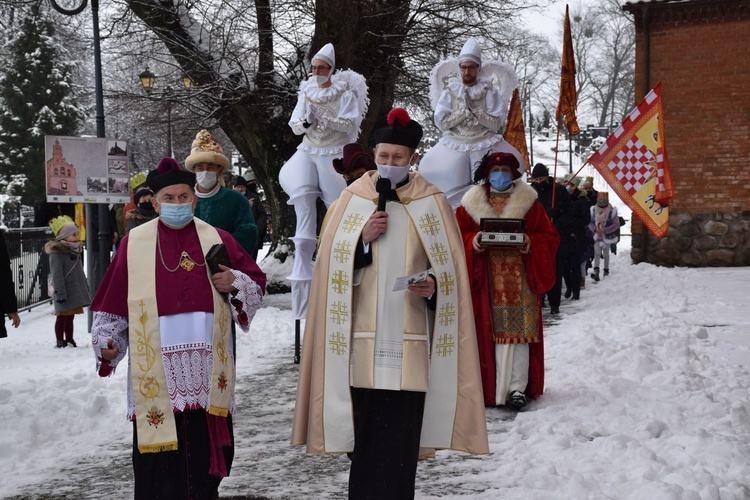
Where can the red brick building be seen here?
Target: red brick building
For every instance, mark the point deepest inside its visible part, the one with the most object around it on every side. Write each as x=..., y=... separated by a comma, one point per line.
x=700, y=51
x=61, y=175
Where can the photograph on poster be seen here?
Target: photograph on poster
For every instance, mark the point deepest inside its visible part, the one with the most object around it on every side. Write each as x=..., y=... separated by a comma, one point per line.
x=118, y=185
x=87, y=170
x=117, y=167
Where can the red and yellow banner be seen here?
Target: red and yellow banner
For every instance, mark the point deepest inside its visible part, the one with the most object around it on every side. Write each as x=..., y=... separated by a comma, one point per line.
x=634, y=163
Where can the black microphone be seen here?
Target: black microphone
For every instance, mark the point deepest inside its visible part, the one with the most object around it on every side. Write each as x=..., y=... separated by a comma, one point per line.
x=383, y=187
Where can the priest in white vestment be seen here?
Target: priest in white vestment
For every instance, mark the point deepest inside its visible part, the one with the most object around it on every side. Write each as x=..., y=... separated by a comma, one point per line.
x=386, y=372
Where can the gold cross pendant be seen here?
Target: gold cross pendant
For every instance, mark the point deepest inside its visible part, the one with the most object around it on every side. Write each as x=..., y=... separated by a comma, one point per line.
x=186, y=263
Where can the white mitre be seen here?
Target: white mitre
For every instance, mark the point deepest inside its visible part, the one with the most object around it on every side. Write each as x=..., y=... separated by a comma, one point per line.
x=328, y=55
x=471, y=51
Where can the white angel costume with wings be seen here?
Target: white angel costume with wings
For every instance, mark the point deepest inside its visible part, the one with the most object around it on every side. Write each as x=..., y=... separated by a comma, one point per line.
x=470, y=118
x=328, y=118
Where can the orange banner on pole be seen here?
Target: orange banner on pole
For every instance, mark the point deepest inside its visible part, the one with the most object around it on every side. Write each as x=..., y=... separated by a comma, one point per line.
x=633, y=161
x=568, y=99
x=515, y=133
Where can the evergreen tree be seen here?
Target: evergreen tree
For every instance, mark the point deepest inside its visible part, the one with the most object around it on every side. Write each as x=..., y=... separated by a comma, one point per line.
x=37, y=98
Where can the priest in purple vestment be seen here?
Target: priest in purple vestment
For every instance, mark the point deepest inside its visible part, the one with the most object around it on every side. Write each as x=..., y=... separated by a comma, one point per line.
x=160, y=301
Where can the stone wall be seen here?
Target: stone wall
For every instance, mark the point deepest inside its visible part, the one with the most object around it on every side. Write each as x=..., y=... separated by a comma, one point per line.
x=716, y=239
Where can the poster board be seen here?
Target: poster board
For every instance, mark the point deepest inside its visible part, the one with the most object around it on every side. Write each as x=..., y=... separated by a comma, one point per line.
x=86, y=170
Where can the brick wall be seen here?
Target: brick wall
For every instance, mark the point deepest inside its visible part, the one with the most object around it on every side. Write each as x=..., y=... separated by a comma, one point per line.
x=700, y=51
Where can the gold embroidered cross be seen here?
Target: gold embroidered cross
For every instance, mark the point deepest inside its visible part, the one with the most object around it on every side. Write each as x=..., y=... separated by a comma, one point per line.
x=446, y=283
x=338, y=312
x=340, y=282
x=447, y=314
x=429, y=224
x=342, y=251
x=445, y=345
x=439, y=254
x=352, y=223
x=337, y=343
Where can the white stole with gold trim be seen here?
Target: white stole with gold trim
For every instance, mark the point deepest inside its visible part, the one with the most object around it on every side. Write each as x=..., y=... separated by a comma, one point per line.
x=155, y=423
x=442, y=395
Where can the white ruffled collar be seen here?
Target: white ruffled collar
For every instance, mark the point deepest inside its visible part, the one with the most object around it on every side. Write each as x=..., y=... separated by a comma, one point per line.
x=321, y=94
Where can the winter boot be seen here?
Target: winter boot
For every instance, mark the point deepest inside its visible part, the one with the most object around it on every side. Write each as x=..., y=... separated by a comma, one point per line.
x=568, y=293
x=60, y=343
x=583, y=282
x=516, y=400
x=606, y=272
x=71, y=343
x=595, y=274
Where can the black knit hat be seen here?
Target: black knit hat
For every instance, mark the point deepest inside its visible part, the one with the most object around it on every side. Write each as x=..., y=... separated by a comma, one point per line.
x=169, y=173
x=539, y=171
x=141, y=193
x=398, y=128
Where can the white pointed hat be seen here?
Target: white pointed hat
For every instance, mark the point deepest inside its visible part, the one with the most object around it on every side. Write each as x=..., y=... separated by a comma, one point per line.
x=328, y=55
x=471, y=51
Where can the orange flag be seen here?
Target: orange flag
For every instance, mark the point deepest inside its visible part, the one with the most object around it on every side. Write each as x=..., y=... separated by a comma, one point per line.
x=515, y=134
x=568, y=99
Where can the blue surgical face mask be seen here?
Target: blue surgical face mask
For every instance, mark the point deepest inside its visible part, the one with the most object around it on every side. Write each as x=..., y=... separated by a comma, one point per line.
x=500, y=180
x=176, y=214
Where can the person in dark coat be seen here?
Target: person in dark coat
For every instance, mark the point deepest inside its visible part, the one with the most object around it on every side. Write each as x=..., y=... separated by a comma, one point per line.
x=7, y=289
x=143, y=211
x=561, y=214
x=580, y=221
x=248, y=186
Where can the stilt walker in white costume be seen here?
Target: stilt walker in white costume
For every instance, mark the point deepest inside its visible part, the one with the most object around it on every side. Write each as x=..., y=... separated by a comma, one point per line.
x=469, y=108
x=328, y=115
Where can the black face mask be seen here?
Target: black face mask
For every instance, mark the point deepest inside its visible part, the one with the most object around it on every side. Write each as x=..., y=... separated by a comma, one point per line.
x=146, y=205
x=541, y=186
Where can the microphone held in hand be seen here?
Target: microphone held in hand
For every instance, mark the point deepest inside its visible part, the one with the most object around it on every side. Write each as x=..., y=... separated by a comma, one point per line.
x=383, y=187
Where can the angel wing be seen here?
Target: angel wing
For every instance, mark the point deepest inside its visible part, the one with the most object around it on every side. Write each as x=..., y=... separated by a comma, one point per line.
x=503, y=77
x=357, y=84
x=439, y=76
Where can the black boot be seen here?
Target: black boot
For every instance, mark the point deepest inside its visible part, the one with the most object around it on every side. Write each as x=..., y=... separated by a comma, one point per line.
x=606, y=272
x=595, y=274
x=60, y=343
x=568, y=293
x=71, y=343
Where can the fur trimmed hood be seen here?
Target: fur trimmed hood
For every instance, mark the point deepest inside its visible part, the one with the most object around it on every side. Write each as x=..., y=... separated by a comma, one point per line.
x=55, y=246
x=478, y=207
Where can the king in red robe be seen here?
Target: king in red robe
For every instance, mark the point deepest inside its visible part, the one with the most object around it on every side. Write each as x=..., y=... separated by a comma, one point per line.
x=507, y=282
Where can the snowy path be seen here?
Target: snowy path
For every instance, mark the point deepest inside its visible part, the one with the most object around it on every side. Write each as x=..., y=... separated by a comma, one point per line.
x=647, y=397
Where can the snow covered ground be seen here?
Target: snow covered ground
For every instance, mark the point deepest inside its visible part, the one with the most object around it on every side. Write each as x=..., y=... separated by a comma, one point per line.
x=646, y=398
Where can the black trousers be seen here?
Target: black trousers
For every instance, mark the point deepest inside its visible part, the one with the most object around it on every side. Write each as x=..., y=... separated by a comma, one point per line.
x=181, y=474
x=387, y=427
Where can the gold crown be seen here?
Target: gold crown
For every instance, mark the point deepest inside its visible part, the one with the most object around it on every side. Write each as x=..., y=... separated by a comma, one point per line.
x=58, y=222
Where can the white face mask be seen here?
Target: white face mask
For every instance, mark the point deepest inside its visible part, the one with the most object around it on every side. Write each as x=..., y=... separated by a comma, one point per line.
x=393, y=173
x=322, y=79
x=206, y=180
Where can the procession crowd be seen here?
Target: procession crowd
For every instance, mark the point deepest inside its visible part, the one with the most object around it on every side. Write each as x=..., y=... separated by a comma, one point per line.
x=423, y=305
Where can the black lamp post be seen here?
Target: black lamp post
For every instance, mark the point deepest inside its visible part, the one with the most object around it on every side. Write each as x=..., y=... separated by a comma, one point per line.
x=100, y=253
x=531, y=123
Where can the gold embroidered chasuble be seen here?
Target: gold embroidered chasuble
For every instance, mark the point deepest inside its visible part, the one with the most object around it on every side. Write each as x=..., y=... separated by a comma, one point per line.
x=155, y=423
x=439, y=352
x=514, y=307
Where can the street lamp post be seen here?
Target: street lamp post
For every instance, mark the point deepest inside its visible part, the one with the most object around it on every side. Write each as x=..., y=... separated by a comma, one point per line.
x=148, y=81
x=531, y=123
x=99, y=253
